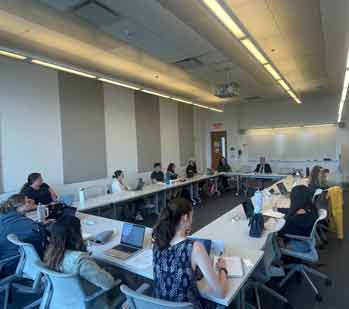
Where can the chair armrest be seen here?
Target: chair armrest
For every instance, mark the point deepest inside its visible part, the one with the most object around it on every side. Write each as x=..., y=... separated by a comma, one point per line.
x=100, y=292
x=8, y=260
x=297, y=237
x=143, y=288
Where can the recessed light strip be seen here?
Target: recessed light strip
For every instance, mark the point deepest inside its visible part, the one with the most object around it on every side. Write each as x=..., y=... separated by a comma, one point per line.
x=215, y=7
x=12, y=55
x=109, y=81
x=61, y=68
x=155, y=93
x=344, y=90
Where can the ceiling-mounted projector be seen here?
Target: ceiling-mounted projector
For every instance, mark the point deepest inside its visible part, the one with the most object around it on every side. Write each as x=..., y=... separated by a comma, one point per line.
x=228, y=90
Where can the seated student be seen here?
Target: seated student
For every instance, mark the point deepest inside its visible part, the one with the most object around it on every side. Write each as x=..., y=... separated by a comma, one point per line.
x=223, y=165
x=323, y=178
x=157, y=175
x=67, y=253
x=263, y=167
x=171, y=172
x=314, y=180
x=191, y=169
x=36, y=189
x=176, y=257
x=301, y=215
x=119, y=185
x=14, y=221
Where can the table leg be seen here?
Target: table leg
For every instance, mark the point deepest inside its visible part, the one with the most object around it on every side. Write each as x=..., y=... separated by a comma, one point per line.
x=191, y=190
x=196, y=190
x=157, y=204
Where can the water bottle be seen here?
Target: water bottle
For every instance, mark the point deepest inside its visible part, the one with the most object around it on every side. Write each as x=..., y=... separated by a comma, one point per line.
x=41, y=212
x=82, y=195
x=258, y=202
x=167, y=179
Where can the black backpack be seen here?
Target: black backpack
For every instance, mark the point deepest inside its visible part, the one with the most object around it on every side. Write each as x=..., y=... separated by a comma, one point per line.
x=256, y=225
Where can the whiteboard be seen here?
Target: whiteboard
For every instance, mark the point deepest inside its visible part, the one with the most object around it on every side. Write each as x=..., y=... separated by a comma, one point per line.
x=292, y=144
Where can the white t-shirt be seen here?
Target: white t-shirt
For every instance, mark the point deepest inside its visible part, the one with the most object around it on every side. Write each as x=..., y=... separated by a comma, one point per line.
x=116, y=186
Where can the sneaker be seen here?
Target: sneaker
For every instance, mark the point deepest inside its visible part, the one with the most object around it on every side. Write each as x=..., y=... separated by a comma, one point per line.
x=139, y=217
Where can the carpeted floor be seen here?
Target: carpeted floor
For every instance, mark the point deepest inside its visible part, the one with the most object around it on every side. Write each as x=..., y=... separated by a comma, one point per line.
x=334, y=259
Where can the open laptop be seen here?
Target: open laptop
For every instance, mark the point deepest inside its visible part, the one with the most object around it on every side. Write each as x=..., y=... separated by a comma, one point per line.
x=283, y=190
x=132, y=239
x=139, y=186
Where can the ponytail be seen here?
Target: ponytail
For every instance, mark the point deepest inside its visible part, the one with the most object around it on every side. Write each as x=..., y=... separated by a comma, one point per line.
x=170, y=216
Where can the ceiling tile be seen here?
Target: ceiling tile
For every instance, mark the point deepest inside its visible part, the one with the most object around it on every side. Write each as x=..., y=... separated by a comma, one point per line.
x=62, y=5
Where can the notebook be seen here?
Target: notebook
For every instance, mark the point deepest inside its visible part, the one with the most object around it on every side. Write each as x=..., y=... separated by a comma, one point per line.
x=234, y=266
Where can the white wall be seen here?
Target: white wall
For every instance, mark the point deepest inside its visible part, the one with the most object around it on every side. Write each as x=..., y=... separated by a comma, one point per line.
x=169, y=132
x=313, y=110
x=30, y=123
x=120, y=127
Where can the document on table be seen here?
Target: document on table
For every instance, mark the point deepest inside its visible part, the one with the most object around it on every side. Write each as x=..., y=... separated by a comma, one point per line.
x=142, y=260
x=273, y=214
x=234, y=266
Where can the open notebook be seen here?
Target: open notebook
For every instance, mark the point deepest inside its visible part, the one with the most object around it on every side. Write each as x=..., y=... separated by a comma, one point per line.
x=234, y=266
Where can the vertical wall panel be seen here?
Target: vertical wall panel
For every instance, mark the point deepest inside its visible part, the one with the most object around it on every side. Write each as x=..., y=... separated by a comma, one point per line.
x=30, y=123
x=169, y=132
x=120, y=128
x=186, y=132
x=83, y=128
x=148, y=130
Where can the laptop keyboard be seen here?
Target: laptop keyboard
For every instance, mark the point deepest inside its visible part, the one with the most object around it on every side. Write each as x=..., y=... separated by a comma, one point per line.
x=125, y=249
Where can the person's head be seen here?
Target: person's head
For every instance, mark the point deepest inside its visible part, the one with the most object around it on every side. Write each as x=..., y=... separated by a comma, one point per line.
x=171, y=167
x=33, y=180
x=65, y=235
x=119, y=175
x=301, y=199
x=314, y=175
x=323, y=175
x=157, y=167
x=262, y=160
x=191, y=163
x=17, y=202
x=176, y=217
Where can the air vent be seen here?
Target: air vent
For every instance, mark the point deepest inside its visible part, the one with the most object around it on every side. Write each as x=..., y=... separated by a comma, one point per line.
x=254, y=98
x=189, y=63
x=96, y=13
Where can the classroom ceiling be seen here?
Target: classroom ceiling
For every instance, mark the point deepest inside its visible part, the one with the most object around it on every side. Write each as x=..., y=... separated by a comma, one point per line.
x=177, y=47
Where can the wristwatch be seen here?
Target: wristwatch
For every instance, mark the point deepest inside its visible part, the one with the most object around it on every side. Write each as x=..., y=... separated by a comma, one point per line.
x=224, y=269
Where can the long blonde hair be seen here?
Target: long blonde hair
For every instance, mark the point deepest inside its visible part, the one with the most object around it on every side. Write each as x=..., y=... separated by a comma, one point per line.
x=14, y=201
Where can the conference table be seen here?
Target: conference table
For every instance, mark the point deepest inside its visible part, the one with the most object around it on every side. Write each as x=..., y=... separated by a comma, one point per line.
x=240, y=176
x=158, y=190
x=231, y=228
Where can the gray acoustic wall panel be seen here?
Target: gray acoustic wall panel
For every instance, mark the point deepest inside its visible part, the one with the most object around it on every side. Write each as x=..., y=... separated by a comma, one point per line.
x=83, y=128
x=147, y=130
x=186, y=133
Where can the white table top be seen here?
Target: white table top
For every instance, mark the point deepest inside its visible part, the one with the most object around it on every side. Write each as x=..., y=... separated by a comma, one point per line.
x=255, y=175
x=129, y=195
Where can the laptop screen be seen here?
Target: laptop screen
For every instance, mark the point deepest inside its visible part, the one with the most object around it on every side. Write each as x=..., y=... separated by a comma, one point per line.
x=132, y=235
x=282, y=188
x=248, y=208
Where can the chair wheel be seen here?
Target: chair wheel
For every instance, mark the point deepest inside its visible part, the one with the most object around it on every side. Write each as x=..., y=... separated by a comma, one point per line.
x=328, y=282
x=318, y=298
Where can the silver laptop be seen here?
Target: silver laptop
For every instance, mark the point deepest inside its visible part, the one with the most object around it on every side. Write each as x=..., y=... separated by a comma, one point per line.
x=132, y=239
x=140, y=185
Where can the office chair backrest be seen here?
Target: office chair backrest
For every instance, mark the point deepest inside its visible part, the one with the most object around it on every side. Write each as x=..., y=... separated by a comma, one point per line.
x=63, y=290
x=137, y=300
x=28, y=258
x=322, y=214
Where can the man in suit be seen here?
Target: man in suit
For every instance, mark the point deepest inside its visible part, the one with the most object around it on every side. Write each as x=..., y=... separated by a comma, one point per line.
x=263, y=167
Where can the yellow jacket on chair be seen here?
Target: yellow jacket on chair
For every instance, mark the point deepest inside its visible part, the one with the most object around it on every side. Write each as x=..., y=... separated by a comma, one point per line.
x=335, y=197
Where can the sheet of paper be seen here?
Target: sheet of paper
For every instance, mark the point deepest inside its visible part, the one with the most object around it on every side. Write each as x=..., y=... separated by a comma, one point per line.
x=234, y=265
x=142, y=260
x=273, y=214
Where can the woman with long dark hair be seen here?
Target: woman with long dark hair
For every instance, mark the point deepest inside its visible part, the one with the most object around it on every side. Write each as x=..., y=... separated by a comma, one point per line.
x=301, y=215
x=67, y=253
x=36, y=189
x=171, y=172
x=314, y=179
x=176, y=257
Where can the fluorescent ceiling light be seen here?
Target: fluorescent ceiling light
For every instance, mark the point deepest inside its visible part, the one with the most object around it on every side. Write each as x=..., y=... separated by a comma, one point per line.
x=294, y=97
x=216, y=110
x=12, y=55
x=61, y=68
x=225, y=18
x=346, y=80
x=254, y=51
x=117, y=83
x=272, y=71
x=181, y=100
x=283, y=84
x=319, y=125
x=155, y=93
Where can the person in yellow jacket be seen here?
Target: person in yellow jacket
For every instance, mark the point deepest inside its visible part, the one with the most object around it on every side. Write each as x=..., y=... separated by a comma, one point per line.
x=335, y=197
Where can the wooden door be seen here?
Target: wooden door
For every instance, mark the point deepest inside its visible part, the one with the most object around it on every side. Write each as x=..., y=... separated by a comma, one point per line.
x=218, y=147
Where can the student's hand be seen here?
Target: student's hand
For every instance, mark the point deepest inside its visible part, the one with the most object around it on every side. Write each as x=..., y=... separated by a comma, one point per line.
x=221, y=263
